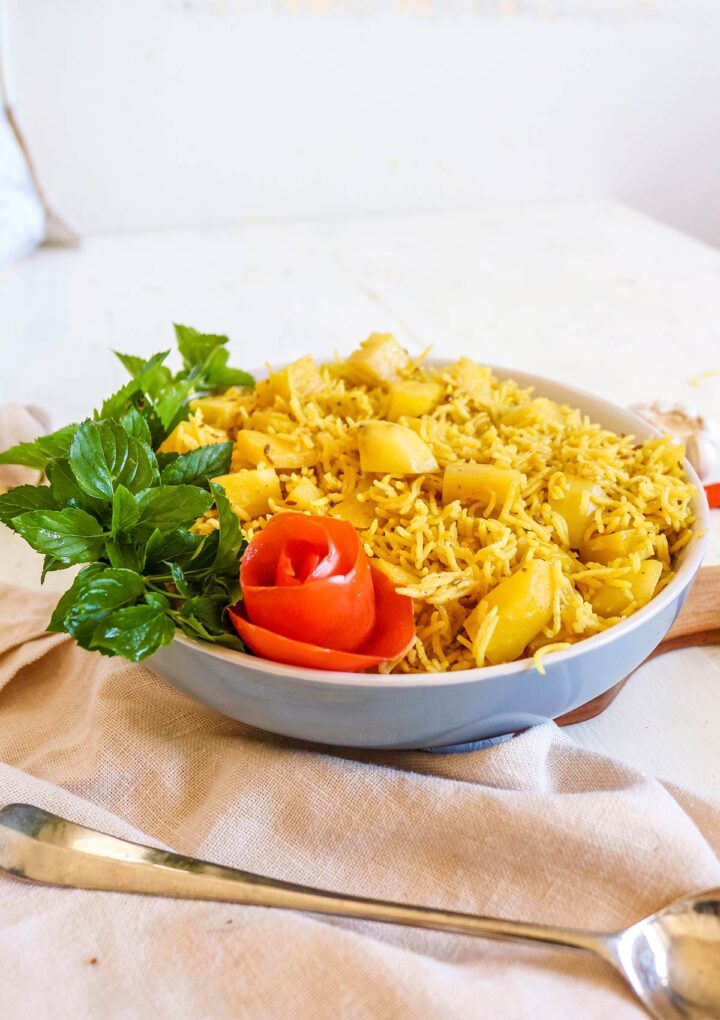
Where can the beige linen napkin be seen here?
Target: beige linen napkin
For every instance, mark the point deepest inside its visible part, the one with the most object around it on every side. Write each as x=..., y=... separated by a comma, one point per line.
x=19, y=423
x=537, y=828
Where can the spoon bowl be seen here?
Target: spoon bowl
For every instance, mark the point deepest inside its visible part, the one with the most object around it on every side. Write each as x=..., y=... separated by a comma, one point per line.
x=671, y=959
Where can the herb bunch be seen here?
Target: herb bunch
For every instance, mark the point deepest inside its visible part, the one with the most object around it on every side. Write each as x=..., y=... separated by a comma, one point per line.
x=116, y=505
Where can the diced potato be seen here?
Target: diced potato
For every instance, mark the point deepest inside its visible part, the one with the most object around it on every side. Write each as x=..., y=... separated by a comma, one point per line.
x=217, y=411
x=300, y=378
x=377, y=360
x=251, y=490
x=265, y=421
x=303, y=494
x=472, y=377
x=611, y=546
x=359, y=514
x=608, y=601
x=478, y=483
x=253, y=447
x=399, y=576
x=409, y=398
x=191, y=434
x=539, y=410
x=577, y=506
x=524, y=604
x=387, y=448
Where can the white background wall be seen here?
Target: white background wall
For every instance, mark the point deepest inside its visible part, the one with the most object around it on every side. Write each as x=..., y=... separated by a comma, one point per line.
x=153, y=113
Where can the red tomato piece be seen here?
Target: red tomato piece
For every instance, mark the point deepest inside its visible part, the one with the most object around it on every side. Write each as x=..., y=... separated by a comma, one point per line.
x=308, y=579
x=713, y=495
x=393, y=634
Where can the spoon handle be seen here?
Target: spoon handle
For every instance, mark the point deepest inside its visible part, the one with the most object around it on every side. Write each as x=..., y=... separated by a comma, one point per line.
x=43, y=847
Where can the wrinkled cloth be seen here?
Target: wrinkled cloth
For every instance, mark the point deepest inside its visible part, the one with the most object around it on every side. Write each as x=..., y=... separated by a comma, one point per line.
x=536, y=828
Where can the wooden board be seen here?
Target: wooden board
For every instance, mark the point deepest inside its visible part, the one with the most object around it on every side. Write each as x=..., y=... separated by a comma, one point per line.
x=697, y=624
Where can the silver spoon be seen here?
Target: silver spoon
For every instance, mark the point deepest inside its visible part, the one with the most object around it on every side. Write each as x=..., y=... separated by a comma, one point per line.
x=671, y=959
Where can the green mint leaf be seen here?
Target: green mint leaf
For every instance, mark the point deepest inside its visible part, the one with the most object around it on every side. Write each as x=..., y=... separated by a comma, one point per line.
x=103, y=456
x=164, y=459
x=198, y=466
x=125, y=511
x=71, y=536
x=150, y=376
x=117, y=404
x=50, y=564
x=146, y=409
x=38, y=453
x=73, y=595
x=67, y=492
x=208, y=610
x=171, y=506
x=227, y=377
x=216, y=375
x=131, y=362
x=123, y=552
x=101, y=595
x=171, y=401
x=176, y=572
x=223, y=586
x=205, y=554
x=154, y=376
x=194, y=628
x=232, y=542
x=151, y=371
x=23, y=498
x=134, y=632
x=135, y=425
x=195, y=347
x=178, y=545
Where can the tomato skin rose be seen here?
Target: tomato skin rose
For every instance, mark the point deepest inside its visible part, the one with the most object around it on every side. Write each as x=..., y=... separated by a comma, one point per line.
x=311, y=598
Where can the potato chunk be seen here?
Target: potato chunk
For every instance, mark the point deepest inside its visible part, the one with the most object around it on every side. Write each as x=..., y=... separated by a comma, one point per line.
x=359, y=514
x=387, y=448
x=478, y=483
x=524, y=604
x=300, y=378
x=251, y=490
x=538, y=411
x=611, y=546
x=410, y=399
x=577, y=506
x=253, y=447
x=303, y=494
x=471, y=377
x=219, y=412
x=610, y=601
x=191, y=434
x=399, y=576
x=377, y=360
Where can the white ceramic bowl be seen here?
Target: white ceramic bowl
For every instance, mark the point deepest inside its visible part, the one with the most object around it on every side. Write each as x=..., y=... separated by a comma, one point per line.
x=438, y=709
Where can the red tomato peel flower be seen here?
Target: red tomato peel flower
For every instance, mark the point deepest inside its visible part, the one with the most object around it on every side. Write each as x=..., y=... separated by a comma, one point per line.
x=394, y=633
x=308, y=578
x=311, y=598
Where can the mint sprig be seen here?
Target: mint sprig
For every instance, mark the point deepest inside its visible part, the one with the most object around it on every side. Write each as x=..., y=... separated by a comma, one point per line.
x=115, y=505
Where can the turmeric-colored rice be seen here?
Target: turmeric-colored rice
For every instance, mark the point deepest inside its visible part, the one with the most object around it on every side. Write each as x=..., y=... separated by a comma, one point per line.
x=448, y=556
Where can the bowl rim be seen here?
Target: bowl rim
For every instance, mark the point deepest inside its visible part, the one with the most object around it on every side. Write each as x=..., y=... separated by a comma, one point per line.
x=692, y=556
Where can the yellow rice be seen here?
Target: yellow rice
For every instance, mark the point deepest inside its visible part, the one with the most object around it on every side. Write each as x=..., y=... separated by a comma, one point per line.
x=447, y=557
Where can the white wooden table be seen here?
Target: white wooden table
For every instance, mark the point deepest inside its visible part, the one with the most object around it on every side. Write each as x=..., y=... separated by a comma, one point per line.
x=588, y=292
